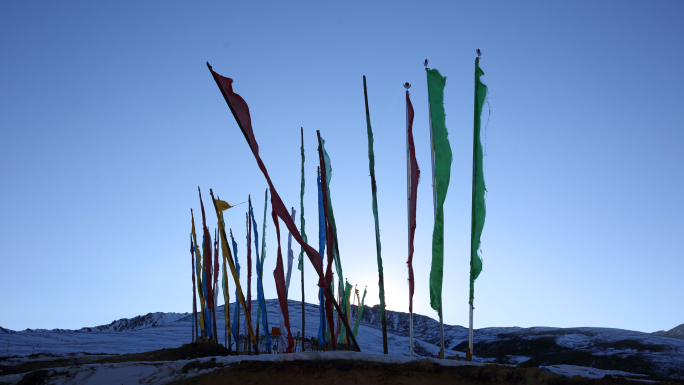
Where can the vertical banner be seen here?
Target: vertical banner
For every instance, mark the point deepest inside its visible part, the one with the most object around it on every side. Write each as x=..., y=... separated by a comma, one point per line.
x=374, y=191
x=442, y=175
x=321, y=248
x=479, y=190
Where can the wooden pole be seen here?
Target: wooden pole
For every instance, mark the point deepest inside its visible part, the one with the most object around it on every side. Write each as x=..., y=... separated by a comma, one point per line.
x=434, y=202
x=302, y=209
x=381, y=279
x=249, y=277
x=213, y=313
x=194, y=300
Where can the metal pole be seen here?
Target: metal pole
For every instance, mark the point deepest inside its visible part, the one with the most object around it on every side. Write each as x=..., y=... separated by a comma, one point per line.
x=434, y=203
x=470, y=344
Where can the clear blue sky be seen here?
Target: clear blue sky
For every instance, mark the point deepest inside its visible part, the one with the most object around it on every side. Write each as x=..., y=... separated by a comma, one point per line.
x=109, y=120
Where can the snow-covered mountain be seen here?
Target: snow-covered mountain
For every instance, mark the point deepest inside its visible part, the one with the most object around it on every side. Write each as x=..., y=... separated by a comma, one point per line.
x=605, y=348
x=148, y=320
x=675, y=332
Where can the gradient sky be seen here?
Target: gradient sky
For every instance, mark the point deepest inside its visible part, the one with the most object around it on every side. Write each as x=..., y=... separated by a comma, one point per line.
x=109, y=120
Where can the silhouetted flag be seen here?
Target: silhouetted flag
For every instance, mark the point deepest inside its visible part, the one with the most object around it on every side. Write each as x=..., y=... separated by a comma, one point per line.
x=321, y=248
x=442, y=156
x=479, y=189
x=260, y=286
x=413, y=193
x=240, y=111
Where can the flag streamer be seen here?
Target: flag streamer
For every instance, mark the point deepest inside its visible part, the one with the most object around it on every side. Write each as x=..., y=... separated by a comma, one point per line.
x=414, y=177
x=235, y=326
x=194, y=298
x=207, y=274
x=321, y=248
x=479, y=189
x=236, y=278
x=359, y=313
x=263, y=246
x=223, y=206
x=325, y=169
x=199, y=271
x=378, y=247
x=240, y=112
x=260, y=286
x=442, y=175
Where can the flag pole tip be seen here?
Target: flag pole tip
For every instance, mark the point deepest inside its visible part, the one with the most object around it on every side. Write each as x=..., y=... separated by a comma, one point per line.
x=479, y=53
x=407, y=85
x=208, y=65
x=426, y=63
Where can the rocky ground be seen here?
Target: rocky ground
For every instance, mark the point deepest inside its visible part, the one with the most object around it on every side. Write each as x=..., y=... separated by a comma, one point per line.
x=208, y=363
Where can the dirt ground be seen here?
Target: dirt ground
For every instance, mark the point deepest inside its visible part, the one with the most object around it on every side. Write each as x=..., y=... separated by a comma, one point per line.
x=346, y=372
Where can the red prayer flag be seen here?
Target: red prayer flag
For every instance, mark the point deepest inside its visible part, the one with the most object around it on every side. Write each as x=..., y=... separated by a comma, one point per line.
x=240, y=111
x=415, y=176
x=207, y=258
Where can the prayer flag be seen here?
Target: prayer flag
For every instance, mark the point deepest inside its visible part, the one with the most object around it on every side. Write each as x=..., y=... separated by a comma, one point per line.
x=442, y=174
x=479, y=189
x=260, y=287
x=414, y=174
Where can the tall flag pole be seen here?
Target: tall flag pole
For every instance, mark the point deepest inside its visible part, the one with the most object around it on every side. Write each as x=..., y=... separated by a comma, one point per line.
x=240, y=295
x=263, y=249
x=194, y=299
x=302, y=223
x=199, y=272
x=260, y=284
x=321, y=248
x=412, y=178
x=222, y=206
x=208, y=284
x=441, y=173
x=240, y=111
x=288, y=275
x=235, y=327
x=216, y=273
x=374, y=191
x=249, y=266
x=331, y=243
x=329, y=213
x=479, y=191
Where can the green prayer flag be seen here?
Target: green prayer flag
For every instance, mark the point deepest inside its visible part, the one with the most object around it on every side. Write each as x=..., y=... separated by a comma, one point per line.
x=331, y=215
x=359, y=313
x=263, y=247
x=442, y=174
x=374, y=191
x=300, y=265
x=479, y=190
x=346, y=296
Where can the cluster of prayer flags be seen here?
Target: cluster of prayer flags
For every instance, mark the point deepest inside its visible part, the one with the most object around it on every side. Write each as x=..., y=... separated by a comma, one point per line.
x=205, y=269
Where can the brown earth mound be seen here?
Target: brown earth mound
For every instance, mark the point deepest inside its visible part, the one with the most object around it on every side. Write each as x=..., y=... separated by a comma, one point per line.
x=347, y=372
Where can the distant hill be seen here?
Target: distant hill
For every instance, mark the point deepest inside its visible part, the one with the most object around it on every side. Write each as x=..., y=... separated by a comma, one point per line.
x=675, y=332
x=660, y=353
